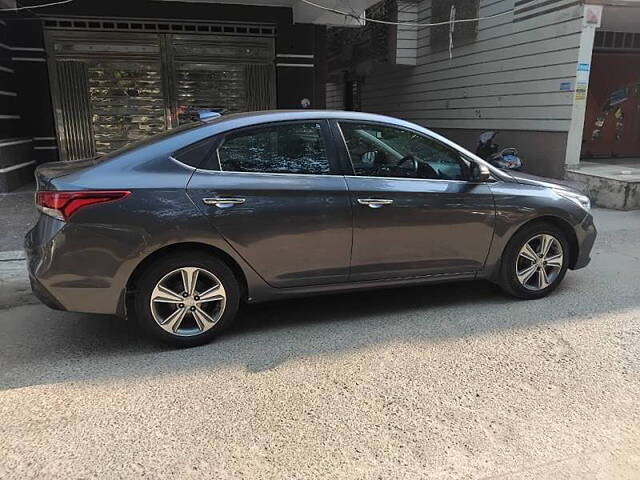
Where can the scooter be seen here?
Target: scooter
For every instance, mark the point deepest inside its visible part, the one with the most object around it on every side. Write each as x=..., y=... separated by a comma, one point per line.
x=506, y=159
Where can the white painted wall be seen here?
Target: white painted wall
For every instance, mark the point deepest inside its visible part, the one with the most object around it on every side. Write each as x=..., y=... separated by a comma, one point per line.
x=508, y=79
x=406, y=36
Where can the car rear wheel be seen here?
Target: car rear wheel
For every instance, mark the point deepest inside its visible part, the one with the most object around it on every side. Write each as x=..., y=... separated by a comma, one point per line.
x=535, y=261
x=185, y=300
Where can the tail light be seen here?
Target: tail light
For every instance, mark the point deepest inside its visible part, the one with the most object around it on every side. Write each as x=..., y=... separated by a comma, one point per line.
x=62, y=205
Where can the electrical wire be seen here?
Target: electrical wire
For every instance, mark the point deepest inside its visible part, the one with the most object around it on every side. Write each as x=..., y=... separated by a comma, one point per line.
x=404, y=24
x=24, y=7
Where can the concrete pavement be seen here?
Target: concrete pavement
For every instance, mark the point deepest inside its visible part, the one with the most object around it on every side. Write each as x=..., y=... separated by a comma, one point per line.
x=448, y=381
x=18, y=214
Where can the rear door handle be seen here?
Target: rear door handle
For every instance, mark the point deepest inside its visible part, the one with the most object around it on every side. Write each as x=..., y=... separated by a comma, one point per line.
x=225, y=202
x=375, y=202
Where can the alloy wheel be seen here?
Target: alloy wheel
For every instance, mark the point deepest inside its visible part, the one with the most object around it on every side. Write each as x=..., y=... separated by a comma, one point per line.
x=539, y=262
x=188, y=301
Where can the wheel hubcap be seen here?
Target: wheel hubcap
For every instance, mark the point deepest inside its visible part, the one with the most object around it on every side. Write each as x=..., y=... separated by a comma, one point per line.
x=539, y=262
x=188, y=301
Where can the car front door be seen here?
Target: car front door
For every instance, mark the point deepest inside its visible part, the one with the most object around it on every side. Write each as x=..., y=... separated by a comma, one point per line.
x=415, y=211
x=276, y=195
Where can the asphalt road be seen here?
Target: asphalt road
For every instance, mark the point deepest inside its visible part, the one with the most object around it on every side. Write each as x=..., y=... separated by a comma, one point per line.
x=449, y=381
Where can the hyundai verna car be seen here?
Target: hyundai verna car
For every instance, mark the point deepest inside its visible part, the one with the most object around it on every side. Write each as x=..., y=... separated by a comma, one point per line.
x=177, y=230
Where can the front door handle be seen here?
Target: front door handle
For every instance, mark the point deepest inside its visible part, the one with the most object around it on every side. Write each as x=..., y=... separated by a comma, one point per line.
x=375, y=202
x=223, y=202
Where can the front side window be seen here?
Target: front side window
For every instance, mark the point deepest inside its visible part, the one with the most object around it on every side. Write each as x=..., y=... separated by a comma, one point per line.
x=289, y=148
x=384, y=151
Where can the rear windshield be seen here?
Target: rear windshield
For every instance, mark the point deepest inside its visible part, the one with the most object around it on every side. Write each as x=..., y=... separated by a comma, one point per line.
x=149, y=140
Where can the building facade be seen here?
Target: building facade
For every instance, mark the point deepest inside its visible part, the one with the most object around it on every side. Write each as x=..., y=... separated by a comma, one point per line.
x=83, y=78
x=558, y=79
x=524, y=72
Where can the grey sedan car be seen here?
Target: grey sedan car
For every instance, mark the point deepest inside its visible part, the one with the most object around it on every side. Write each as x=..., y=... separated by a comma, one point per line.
x=177, y=230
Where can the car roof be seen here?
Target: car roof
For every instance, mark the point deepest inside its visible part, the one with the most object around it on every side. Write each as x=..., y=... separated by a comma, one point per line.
x=232, y=121
x=172, y=141
x=237, y=120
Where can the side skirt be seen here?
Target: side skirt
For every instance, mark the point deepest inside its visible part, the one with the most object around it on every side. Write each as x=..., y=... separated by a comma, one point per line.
x=269, y=294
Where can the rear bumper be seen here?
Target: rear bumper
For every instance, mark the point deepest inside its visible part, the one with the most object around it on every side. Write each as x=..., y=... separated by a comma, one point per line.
x=44, y=295
x=36, y=244
x=586, y=234
x=67, y=274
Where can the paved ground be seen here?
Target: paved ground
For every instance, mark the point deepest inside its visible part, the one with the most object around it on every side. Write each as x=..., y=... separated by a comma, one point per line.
x=452, y=381
x=18, y=215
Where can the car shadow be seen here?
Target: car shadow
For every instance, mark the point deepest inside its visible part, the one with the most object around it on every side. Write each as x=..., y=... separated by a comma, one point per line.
x=42, y=346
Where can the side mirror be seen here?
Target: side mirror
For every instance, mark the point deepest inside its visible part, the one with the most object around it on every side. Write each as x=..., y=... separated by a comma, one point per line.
x=479, y=173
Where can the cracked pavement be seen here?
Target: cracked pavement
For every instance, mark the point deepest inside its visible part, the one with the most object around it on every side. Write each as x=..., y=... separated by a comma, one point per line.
x=439, y=382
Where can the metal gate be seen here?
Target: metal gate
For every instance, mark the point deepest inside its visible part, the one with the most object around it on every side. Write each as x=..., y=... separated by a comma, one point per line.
x=110, y=88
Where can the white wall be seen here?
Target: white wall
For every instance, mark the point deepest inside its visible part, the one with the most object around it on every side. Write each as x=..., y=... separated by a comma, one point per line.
x=508, y=79
x=407, y=36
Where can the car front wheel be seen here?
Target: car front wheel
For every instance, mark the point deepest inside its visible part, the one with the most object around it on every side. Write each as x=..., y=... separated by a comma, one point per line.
x=185, y=300
x=535, y=261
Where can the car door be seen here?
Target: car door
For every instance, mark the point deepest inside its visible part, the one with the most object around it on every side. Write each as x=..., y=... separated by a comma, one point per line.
x=415, y=211
x=277, y=196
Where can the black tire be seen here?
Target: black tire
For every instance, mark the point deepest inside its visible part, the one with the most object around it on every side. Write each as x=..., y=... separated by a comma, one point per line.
x=150, y=277
x=508, y=279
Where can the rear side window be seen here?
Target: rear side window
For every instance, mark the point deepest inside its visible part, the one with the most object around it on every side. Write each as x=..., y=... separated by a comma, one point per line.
x=197, y=155
x=290, y=148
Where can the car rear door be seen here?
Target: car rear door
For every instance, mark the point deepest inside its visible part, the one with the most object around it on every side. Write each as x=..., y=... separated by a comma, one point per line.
x=412, y=217
x=276, y=194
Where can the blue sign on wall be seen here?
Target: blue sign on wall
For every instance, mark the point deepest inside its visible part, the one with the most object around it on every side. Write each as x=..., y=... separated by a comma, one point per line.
x=565, y=87
x=618, y=96
x=583, y=67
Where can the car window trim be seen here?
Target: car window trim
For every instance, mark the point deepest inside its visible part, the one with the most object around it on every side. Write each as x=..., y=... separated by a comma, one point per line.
x=419, y=179
x=330, y=147
x=215, y=141
x=343, y=157
x=347, y=154
x=182, y=164
x=278, y=174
